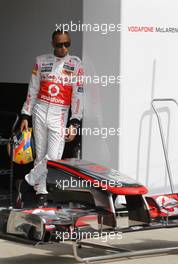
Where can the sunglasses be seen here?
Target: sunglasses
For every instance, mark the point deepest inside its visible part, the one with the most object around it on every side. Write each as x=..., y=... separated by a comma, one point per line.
x=60, y=45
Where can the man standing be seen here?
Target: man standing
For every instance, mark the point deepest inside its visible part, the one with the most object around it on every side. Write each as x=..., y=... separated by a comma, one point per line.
x=55, y=86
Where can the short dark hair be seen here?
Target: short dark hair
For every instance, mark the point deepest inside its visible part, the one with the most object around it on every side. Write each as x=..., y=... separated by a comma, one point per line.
x=60, y=32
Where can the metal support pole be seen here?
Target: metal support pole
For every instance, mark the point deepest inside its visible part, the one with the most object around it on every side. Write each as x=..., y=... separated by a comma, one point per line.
x=162, y=136
x=120, y=254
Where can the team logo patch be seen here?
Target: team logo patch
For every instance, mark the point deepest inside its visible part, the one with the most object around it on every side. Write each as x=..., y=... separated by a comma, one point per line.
x=46, y=69
x=53, y=90
x=68, y=67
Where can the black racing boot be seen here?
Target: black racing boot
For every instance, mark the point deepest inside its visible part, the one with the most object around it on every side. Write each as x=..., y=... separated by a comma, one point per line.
x=28, y=195
x=42, y=200
x=19, y=202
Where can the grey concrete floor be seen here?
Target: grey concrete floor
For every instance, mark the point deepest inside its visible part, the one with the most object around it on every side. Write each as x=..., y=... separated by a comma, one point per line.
x=11, y=252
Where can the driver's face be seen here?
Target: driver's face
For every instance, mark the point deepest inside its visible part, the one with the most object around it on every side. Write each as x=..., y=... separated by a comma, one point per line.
x=60, y=45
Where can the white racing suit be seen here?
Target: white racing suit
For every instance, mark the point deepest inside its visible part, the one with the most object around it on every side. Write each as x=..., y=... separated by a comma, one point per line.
x=56, y=84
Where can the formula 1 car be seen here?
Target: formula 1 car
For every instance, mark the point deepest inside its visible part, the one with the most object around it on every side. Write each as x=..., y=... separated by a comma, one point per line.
x=83, y=200
x=91, y=186
x=93, y=190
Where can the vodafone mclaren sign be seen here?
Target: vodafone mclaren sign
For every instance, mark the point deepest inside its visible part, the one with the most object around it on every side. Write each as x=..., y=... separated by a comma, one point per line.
x=152, y=29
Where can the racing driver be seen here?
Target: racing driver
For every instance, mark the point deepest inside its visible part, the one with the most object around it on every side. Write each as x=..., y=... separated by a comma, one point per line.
x=55, y=86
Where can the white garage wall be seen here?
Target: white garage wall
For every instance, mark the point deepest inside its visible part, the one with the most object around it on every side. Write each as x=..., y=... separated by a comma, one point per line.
x=149, y=62
x=26, y=28
x=101, y=54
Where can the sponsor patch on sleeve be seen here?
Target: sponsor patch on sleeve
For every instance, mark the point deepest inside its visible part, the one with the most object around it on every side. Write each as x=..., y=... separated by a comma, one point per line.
x=35, y=69
x=80, y=71
x=68, y=67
